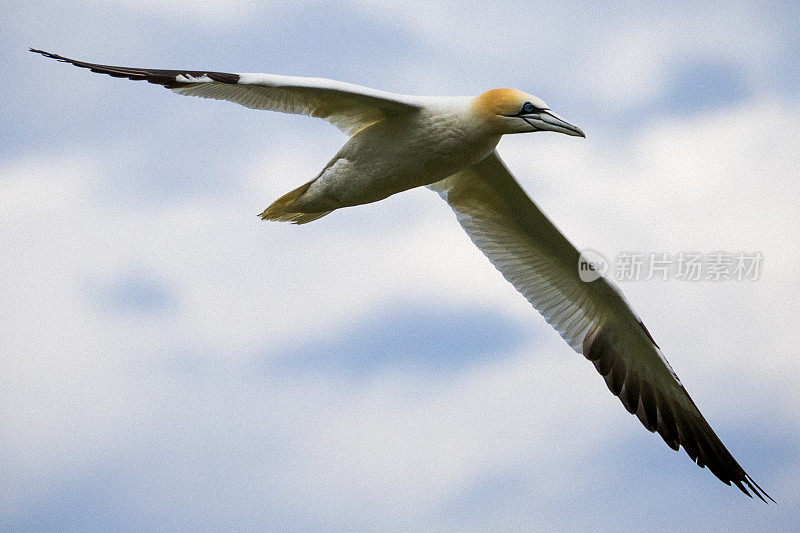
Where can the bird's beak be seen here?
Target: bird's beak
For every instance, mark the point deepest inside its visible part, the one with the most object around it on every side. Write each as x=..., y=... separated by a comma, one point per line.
x=548, y=121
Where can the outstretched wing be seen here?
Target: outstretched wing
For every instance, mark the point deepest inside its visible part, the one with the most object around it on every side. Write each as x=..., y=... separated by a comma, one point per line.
x=349, y=107
x=593, y=317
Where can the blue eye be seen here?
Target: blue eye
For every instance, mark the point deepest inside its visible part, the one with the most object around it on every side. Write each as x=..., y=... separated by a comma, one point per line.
x=528, y=108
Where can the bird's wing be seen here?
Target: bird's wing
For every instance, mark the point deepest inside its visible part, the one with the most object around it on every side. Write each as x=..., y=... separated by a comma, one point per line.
x=593, y=317
x=349, y=107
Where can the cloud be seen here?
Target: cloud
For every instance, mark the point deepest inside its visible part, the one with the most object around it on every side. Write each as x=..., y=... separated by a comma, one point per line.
x=218, y=11
x=409, y=339
x=601, y=55
x=163, y=396
x=171, y=362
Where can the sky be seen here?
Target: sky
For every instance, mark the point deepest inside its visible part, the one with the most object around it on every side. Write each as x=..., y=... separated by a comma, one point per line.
x=170, y=362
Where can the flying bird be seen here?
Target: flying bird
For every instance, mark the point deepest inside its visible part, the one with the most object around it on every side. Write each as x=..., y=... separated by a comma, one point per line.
x=398, y=142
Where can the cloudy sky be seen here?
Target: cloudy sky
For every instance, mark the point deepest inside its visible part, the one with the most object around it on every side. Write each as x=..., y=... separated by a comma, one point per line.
x=169, y=361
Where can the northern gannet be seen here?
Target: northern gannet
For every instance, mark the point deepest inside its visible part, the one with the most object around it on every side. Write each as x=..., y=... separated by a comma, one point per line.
x=398, y=142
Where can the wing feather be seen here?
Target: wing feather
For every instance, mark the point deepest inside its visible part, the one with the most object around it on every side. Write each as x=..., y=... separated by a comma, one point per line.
x=347, y=106
x=593, y=317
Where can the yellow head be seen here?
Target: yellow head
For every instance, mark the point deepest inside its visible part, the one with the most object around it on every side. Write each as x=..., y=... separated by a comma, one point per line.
x=511, y=111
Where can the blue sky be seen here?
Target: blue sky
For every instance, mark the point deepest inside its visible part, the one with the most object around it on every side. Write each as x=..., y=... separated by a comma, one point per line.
x=171, y=362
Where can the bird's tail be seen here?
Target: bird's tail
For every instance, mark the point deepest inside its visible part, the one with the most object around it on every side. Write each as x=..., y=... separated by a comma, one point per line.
x=281, y=209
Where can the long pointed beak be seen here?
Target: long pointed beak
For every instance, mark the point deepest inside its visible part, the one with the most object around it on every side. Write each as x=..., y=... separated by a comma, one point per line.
x=549, y=121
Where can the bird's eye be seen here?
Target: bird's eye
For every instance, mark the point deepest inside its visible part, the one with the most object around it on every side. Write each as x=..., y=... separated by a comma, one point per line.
x=528, y=108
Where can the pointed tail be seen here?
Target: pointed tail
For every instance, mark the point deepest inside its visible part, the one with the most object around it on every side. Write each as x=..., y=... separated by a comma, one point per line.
x=281, y=209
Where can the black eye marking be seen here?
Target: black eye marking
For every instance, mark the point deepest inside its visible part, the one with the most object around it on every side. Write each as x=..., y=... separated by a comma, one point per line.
x=528, y=109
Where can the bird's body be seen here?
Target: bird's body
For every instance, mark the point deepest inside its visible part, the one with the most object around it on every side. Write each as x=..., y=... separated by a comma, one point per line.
x=399, y=142
x=390, y=156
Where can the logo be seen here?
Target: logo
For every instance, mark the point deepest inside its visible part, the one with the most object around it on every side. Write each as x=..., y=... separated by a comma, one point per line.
x=591, y=265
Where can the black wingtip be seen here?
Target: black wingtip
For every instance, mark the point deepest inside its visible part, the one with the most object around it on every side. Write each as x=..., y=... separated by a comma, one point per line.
x=48, y=54
x=748, y=483
x=759, y=491
x=45, y=54
x=167, y=78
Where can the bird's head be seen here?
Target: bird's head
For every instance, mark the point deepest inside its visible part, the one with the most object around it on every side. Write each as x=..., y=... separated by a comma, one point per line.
x=512, y=111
